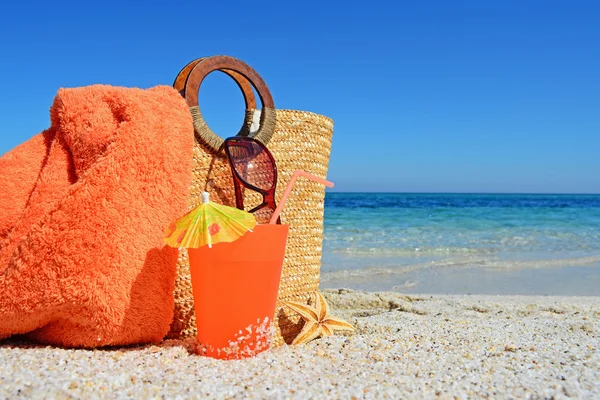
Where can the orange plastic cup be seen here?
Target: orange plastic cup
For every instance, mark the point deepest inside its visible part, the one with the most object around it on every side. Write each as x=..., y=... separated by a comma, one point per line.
x=235, y=287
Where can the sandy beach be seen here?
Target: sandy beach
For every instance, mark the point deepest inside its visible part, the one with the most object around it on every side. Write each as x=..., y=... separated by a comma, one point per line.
x=404, y=347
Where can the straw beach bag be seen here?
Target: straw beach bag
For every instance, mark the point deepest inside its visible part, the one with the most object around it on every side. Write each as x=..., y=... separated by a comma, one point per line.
x=297, y=140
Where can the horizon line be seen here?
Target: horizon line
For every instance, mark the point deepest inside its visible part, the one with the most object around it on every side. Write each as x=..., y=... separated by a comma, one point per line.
x=501, y=193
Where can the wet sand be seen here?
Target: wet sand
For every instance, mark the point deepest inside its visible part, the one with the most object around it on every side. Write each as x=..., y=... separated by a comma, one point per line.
x=501, y=279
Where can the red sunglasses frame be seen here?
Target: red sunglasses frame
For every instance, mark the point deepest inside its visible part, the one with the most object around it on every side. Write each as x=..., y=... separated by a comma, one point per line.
x=238, y=181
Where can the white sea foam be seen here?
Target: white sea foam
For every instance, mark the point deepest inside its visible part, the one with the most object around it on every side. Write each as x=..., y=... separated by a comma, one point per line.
x=371, y=272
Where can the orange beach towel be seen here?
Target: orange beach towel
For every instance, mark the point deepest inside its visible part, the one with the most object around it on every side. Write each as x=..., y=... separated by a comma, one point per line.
x=83, y=206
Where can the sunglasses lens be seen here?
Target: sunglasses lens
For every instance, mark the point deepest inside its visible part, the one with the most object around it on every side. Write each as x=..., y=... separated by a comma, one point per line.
x=252, y=163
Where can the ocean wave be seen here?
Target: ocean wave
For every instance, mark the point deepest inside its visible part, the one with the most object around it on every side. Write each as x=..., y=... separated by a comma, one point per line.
x=409, y=251
x=389, y=271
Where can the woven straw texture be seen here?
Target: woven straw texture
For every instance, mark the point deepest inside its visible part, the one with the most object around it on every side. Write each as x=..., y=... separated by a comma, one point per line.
x=301, y=140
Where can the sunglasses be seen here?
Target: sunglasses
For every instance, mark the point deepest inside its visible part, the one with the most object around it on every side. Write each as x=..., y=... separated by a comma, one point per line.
x=253, y=168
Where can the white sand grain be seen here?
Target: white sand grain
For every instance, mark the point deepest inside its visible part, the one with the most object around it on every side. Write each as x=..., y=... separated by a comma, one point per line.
x=404, y=347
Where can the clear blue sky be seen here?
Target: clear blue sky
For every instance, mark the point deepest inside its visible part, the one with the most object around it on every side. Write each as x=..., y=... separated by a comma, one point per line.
x=433, y=96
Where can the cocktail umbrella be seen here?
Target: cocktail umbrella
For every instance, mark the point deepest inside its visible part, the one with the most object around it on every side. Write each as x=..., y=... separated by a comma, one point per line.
x=208, y=224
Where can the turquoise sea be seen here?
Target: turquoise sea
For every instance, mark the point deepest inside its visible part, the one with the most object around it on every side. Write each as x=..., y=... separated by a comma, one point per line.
x=462, y=243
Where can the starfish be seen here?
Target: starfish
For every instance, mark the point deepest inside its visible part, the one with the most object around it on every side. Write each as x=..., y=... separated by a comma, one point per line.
x=317, y=321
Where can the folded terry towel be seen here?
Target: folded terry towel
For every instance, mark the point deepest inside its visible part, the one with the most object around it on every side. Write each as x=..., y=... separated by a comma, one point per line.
x=83, y=207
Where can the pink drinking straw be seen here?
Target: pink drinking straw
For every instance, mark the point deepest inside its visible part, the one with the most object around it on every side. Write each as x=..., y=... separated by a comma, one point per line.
x=290, y=186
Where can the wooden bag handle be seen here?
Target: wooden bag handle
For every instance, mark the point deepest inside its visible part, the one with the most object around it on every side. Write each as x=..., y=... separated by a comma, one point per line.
x=245, y=77
x=243, y=83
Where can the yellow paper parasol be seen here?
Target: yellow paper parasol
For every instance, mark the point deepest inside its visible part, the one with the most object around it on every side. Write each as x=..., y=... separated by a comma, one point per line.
x=207, y=224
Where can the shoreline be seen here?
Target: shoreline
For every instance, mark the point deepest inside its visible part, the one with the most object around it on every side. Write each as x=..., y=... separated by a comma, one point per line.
x=406, y=346
x=577, y=280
